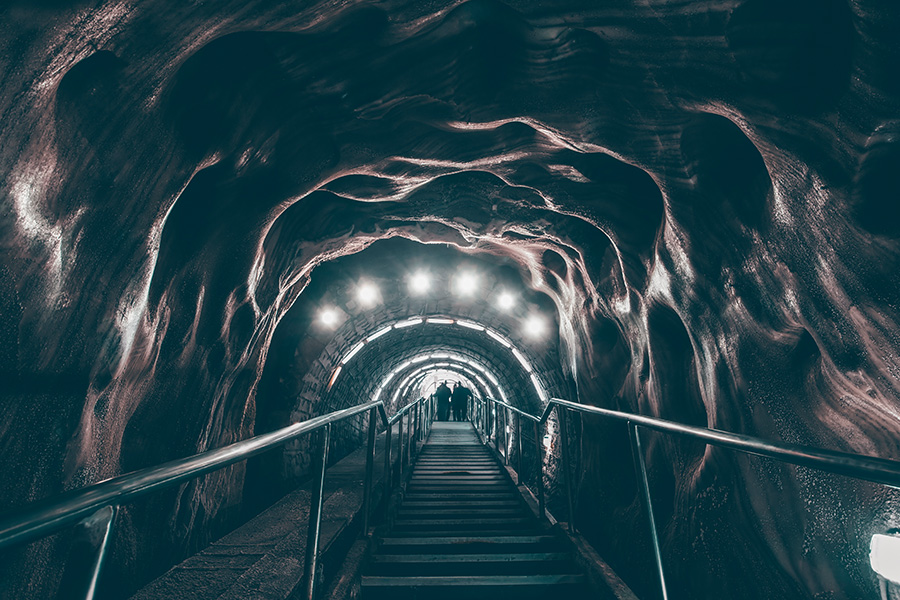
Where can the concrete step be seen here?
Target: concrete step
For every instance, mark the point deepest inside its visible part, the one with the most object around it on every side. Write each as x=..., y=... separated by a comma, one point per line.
x=469, y=532
x=538, y=563
x=406, y=514
x=455, y=544
x=451, y=504
x=444, y=526
x=472, y=587
x=432, y=496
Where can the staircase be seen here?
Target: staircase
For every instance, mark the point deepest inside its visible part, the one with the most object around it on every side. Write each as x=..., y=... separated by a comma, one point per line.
x=464, y=531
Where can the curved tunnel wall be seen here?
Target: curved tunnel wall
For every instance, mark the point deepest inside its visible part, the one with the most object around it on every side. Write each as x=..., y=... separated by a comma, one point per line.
x=702, y=193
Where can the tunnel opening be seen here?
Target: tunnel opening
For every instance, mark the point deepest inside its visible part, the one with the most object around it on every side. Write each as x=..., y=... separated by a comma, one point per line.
x=374, y=343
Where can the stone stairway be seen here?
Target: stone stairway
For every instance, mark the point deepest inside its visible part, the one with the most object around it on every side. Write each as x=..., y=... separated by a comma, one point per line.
x=464, y=531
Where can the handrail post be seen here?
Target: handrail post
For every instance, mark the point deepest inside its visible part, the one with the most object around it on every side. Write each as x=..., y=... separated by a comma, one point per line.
x=538, y=446
x=89, y=549
x=641, y=471
x=418, y=423
x=310, y=571
x=400, y=445
x=478, y=415
x=498, y=416
x=518, y=448
x=388, y=465
x=501, y=433
x=492, y=417
x=506, y=436
x=370, y=468
x=410, y=435
x=562, y=414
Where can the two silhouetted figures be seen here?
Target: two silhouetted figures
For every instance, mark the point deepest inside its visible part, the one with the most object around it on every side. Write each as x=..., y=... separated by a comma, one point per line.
x=453, y=402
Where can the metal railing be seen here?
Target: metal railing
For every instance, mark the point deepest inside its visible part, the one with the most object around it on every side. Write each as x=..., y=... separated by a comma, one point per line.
x=94, y=507
x=489, y=413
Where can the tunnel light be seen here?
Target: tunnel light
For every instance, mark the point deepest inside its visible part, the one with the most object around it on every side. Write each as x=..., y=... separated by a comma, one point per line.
x=329, y=317
x=419, y=283
x=466, y=283
x=379, y=333
x=492, y=379
x=522, y=360
x=439, y=321
x=884, y=556
x=469, y=325
x=505, y=301
x=367, y=294
x=353, y=352
x=496, y=336
x=408, y=323
x=334, y=376
x=540, y=389
x=535, y=327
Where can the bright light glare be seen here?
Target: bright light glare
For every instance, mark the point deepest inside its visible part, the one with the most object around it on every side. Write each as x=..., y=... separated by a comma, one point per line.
x=884, y=556
x=466, y=283
x=419, y=283
x=328, y=317
x=535, y=327
x=505, y=301
x=367, y=294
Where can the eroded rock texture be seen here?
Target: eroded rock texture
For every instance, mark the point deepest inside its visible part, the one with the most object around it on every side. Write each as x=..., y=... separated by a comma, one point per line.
x=706, y=192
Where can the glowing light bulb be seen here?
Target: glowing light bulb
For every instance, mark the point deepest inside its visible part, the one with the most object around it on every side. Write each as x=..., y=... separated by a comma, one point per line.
x=328, y=317
x=466, y=283
x=419, y=283
x=884, y=556
x=505, y=301
x=367, y=294
x=535, y=327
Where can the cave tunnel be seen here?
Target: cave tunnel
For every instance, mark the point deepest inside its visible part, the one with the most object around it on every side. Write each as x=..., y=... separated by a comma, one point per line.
x=222, y=219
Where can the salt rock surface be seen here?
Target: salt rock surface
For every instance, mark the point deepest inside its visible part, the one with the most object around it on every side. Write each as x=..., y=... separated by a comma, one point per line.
x=705, y=193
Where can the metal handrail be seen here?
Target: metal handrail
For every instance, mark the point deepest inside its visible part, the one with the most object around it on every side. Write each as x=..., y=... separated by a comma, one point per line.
x=95, y=506
x=858, y=466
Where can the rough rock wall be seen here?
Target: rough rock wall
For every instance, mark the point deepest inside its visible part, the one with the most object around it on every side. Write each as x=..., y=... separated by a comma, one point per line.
x=714, y=183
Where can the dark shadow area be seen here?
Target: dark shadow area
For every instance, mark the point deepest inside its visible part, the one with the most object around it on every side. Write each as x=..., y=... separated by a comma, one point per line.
x=798, y=53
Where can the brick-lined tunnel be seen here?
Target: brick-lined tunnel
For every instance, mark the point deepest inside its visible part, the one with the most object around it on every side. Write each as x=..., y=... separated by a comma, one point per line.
x=697, y=199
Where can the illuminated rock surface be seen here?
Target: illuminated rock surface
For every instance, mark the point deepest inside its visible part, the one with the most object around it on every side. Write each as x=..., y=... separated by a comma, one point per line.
x=706, y=194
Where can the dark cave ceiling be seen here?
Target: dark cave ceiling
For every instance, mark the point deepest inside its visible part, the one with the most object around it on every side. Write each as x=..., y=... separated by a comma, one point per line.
x=701, y=196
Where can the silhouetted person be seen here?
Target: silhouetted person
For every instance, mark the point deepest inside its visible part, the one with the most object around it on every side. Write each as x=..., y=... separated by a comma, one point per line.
x=464, y=405
x=459, y=400
x=443, y=393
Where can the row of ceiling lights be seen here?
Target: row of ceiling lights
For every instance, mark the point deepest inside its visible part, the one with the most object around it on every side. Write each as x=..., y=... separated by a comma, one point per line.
x=464, y=284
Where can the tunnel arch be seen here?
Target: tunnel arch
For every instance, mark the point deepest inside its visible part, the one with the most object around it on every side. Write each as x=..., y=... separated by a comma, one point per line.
x=412, y=382
x=447, y=321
